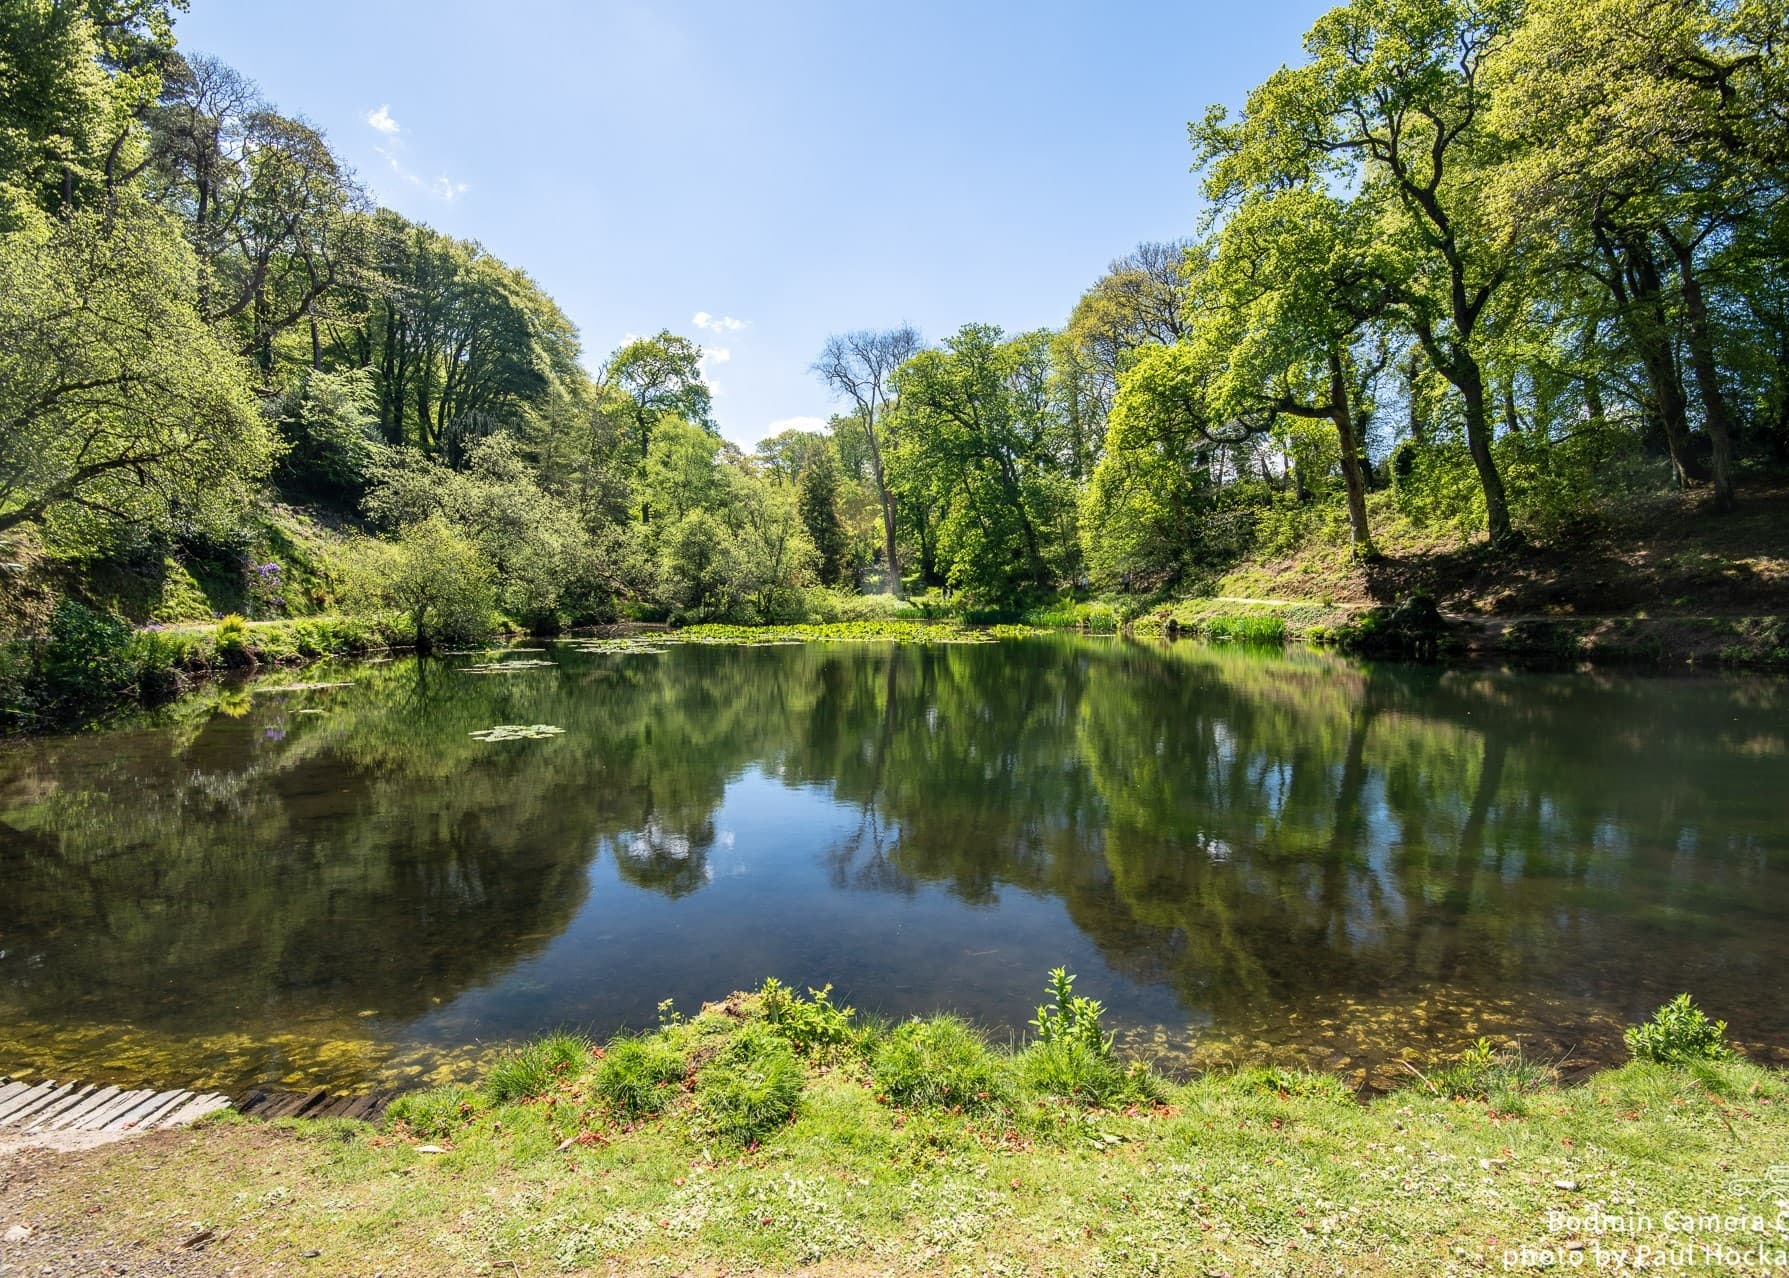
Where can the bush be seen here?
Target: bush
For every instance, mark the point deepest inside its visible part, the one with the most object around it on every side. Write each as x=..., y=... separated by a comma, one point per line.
x=1074, y=1071
x=939, y=1062
x=438, y=1112
x=1244, y=628
x=533, y=1069
x=751, y=1088
x=826, y=605
x=231, y=639
x=638, y=1075
x=85, y=660
x=810, y=1025
x=1070, y=1019
x=1486, y=1074
x=1678, y=1034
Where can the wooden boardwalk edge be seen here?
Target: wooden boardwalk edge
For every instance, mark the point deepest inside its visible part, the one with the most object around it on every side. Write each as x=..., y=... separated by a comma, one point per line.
x=50, y=1106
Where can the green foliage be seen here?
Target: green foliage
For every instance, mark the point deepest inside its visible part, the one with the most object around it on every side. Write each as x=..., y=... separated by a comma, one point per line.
x=638, y=1075
x=1299, y=1084
x=1486, y=1074
x=121, y=405
x=438, y=579
x=329, y=422
x=1678, y=1034
x=231, y=640
x=534, y=1069
x=813, y=1026
x=1072, y=1070
x=941, y=1063
x=437, y=1113
x=751, y=1088
x=85, y=658
x=1069, y=1018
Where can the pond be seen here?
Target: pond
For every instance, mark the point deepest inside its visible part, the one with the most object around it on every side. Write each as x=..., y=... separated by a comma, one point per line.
x=1248, y=855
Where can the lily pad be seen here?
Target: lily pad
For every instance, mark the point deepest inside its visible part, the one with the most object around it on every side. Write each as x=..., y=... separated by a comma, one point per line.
x=517, y=732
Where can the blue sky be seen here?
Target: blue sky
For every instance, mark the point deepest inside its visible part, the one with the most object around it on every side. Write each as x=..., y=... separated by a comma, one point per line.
x=759, y=175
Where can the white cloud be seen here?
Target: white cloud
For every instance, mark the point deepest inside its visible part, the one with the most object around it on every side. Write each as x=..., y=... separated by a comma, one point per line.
x=442, y=188
x=716, y=323
x=382, y=121
x=719, y=354
x=795, y=423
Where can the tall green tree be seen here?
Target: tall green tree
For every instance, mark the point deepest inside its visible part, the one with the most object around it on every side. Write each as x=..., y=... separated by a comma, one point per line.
x=1394, y=101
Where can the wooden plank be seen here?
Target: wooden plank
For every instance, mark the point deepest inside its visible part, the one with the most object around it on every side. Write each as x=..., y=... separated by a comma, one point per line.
x=164, y=1105
x=195, y=1108
x=9, y=1090
x=41, y=1099
x=73, y=1100
x=138, y=1115
x=254, y=1101
x=117, y=1105
x=19, y=1099
x=297, y=1104
x=92, y=1104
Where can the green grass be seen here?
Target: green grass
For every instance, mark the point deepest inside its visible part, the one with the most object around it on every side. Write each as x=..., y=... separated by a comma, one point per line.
x=861, y=1162
x=535, y=1069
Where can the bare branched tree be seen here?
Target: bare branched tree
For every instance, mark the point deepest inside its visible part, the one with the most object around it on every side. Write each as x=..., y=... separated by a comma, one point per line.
x=860, y=366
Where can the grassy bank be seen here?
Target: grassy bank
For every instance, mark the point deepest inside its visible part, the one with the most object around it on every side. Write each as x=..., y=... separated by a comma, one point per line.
x=91, y=664
x=778, y=1133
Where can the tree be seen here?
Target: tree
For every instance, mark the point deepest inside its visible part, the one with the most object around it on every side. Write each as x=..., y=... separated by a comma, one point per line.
x=1648, y=135
x=117, y=403
x=980, y=410
x=819, y=509
x=662, y=375
x=1282, y=305
x=1140, y=301
x=1395, y=100
x=439, y=581
x=861, y=366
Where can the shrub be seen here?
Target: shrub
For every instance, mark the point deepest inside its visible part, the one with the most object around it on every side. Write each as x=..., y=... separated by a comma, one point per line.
x=810, y=1025
x=1678, y=1034
x=1070, y=1019
x=231, y=639
x=1074, y=1071
x=751, y=1088
x=532, y=1069
x=438, y=1112
x=1484, y=1073
x=85, y=661
x=638, y=1075
x=939, y=1062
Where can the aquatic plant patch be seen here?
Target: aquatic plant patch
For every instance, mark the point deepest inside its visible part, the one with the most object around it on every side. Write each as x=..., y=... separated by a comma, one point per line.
x=517, y=732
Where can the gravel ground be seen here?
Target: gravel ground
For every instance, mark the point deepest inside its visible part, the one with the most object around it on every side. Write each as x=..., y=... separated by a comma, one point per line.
x=40, y=1237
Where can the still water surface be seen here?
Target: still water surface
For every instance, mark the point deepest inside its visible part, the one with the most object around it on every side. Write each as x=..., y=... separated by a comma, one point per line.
x=1247, y=855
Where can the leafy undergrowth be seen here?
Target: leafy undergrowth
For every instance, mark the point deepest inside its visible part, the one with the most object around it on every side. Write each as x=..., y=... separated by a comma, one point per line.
x=773, y=1133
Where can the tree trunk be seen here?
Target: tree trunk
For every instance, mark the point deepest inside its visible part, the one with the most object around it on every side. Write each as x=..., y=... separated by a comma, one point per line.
x=1465, y=375
x=1352, y=477
x=1715, y=416
x=1649, y=329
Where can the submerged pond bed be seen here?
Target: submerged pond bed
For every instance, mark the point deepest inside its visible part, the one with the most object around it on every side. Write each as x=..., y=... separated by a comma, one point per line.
x=378, y=876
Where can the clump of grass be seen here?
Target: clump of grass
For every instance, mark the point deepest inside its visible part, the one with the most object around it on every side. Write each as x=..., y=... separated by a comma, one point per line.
x=638, y=1075
x=1299, y=1084
x=941, y=1062
x=1074, y=1071
x=812, y=1026
x=752, y=1088
x=1678, y=1034
x=437, y=1113
x=1500, y=1078
x=1244, y=628
x=533, y=1069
